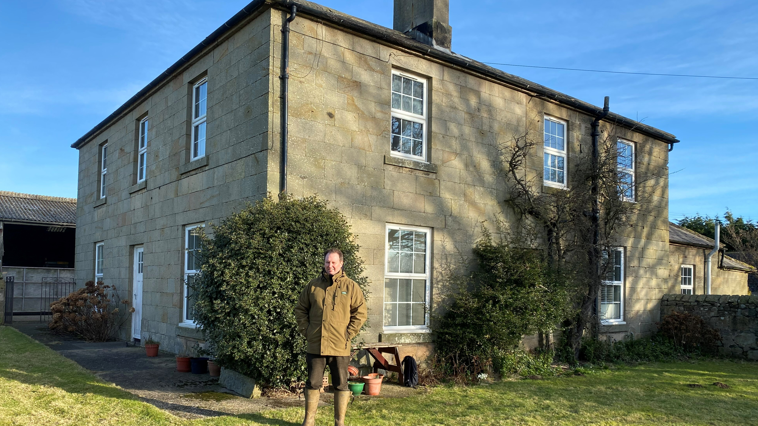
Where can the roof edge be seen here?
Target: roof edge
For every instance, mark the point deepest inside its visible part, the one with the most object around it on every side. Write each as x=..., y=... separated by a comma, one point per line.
x=37, y=197
x=391, y=37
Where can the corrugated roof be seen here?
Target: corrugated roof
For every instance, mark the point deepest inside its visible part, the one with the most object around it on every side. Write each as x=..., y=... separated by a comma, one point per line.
x=15, y=207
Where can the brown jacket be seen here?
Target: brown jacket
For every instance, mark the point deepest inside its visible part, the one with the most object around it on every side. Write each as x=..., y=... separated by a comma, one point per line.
x=330, y=312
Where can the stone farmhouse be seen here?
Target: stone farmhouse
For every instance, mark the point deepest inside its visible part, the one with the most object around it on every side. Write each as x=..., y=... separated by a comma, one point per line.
x=389, y=125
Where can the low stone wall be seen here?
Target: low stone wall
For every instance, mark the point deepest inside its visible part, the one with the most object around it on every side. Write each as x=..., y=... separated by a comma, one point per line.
x=735, y=317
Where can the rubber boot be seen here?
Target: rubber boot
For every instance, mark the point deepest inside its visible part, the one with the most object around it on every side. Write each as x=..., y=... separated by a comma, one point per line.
x=311, y=406
x=341, y=399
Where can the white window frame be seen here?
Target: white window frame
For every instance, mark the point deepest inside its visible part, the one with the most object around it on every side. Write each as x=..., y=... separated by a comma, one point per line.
x=144, y=125
x=409, y=116
x=627, y=170
x=188, y=272
x=198, y=120
x=684, y=278
x=557, y=153
x=103, y=169
x=620, y=319
x=99, y=252
x=413, y=276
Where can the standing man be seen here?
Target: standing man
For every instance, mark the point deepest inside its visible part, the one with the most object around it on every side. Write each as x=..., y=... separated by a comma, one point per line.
x=330, y=312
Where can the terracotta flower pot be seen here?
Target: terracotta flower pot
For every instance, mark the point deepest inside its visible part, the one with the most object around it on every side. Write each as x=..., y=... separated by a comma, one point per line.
x=152, y=349
x=214, y=369
x=183, y=364
x=373, y=383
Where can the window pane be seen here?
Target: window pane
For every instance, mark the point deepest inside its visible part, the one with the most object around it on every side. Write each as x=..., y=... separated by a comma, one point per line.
x=418, y=90
x=395, y=143
x=190, y=314
x=417, y=130
x=393, y=239
x=406, y=262
x=418, y=315
x=419, y=291
x=105, y=157
x=407, y=146
x=396, y=100
x=406, y=241
x=397, y=83
x=419, y=242
x=390, y=290
x=418, y=148
x=407, y=101
x=404, y=314
x=405, y=289
x=393, y=261
x=418, y=106
x=390, y=314
x=419, y=263
x=407, y=87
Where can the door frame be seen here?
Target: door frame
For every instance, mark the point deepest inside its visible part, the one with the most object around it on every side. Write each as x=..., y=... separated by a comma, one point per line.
x=135, y=274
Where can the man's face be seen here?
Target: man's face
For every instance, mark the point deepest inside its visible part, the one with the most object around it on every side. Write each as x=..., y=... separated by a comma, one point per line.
x=332, y=263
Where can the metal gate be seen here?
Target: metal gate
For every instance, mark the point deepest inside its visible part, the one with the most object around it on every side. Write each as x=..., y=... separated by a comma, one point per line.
x=9, y=300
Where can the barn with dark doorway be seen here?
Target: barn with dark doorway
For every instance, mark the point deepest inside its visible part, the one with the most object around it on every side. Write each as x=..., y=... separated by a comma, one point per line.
x=37, y=249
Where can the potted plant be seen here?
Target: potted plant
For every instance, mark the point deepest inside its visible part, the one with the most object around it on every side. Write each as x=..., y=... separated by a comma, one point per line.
x=373, y=383
x=151, y=347
x=214, y=369
x=183, y=363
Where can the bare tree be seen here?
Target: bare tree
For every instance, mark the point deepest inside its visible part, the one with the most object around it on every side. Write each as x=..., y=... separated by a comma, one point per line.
x=577, y=226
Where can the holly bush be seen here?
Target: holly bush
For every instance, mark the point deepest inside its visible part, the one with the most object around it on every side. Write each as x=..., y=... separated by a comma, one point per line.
x=253, y=269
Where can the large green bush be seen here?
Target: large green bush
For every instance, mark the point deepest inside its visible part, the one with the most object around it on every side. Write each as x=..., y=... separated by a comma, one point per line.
x=511, y=293
x=253, y=270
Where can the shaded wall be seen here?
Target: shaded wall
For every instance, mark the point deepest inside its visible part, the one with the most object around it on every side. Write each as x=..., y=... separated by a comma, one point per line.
x=36, y=246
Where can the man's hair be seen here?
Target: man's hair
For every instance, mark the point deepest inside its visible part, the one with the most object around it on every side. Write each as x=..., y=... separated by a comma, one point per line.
x=333, y=250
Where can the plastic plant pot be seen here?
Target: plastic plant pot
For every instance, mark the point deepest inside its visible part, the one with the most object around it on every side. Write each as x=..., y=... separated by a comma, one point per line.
x=183, y=364
x=373, y=383
x=199, y=365
x=356, y=387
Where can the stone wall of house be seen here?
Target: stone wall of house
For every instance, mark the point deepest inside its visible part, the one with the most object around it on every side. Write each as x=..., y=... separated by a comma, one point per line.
x=723, y=281
x=176, y=192
x=735, y=318
x=340, y=130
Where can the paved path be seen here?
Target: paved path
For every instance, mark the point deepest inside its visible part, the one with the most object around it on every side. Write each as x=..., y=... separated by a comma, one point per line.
x=156, y=381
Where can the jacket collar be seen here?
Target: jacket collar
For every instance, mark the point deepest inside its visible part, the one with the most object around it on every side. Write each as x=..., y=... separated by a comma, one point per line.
x=338, y=276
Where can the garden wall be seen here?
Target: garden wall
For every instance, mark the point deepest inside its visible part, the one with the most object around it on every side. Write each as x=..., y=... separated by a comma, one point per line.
x=735, y=318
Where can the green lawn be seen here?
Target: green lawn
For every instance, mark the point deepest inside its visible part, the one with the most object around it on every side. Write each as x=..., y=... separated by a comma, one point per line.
x=40, y=387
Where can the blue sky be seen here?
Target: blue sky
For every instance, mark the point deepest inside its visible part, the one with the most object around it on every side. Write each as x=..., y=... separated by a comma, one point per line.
x=70, y=63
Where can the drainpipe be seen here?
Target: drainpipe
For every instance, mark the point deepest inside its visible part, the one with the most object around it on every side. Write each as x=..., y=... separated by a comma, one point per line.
x=285, y=89
x=595, y=155
x=708, y=258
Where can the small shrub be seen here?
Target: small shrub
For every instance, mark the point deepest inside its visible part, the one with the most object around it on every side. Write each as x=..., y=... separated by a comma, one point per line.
x=253, y=270
x=690, y=332
x=525, y=364
x=646, y=349
x=91, y=313
x=511, y=293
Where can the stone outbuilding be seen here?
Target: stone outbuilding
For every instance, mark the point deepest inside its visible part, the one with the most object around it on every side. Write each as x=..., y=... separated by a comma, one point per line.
x=688, y=252
x=37, y=251
x=390, y=126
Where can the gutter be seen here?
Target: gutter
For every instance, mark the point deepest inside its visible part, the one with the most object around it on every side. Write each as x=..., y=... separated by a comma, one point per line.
x=387, y=36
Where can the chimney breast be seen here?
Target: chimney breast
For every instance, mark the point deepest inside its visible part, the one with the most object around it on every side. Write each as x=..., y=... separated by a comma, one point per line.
x=426, y=21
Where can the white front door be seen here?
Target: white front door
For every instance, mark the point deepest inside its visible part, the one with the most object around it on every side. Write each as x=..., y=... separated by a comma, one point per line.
x=137, y=292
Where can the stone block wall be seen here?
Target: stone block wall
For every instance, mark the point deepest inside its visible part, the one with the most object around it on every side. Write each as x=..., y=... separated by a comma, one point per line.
x=734, y=317
x=176, y=192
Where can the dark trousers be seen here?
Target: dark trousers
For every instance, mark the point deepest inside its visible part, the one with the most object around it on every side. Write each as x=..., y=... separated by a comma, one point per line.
x=337, y=366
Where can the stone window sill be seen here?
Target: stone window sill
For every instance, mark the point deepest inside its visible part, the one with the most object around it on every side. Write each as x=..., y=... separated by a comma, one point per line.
x=421, y=336
x=189, y=330
x=410, y=164
x=193, y=165
x=620, y=327
x=138, y=187
x=100, y=202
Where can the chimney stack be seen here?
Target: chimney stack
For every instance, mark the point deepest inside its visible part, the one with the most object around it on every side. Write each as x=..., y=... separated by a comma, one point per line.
x=427, y=21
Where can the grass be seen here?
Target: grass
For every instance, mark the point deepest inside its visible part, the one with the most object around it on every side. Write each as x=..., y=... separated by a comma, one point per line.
x=40, y=387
